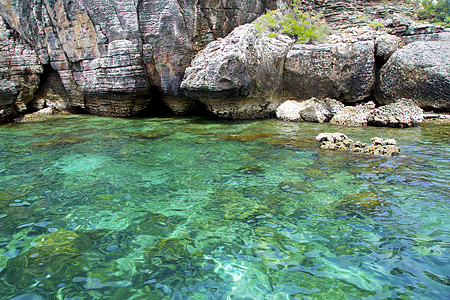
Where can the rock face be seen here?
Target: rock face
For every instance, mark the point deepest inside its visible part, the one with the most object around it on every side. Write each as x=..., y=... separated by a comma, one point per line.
x=312, y=110
x=418, y=71
x=122, y=58
x=339, y=141
x=20, y=73
x=115, y=57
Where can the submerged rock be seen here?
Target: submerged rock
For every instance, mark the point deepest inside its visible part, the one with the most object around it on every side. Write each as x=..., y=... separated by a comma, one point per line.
x=364, y=203
x=51, y=255
x=339, y=141
x=170, y=249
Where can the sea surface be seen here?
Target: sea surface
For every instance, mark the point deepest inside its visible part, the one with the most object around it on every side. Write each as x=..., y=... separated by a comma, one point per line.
x=191, y=208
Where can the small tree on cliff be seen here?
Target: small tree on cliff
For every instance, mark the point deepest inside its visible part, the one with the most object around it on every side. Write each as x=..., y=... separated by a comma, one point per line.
x=293, y=22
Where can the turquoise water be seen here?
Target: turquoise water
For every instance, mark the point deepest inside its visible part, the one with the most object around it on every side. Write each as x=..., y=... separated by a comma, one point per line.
x=189, y=208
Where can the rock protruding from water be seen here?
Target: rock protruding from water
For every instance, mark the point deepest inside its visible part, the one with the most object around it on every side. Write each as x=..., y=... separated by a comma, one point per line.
x=403, y=113
x=312, y=110
x=339, y=141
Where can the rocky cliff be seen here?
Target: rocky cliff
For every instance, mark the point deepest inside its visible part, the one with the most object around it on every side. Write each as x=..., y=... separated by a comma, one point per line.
x=123, y=58
x=113, y=57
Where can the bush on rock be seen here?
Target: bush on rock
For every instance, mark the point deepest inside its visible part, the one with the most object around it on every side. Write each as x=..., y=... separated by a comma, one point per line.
x=293, y=22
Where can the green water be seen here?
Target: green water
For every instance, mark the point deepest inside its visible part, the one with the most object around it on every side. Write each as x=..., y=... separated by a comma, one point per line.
x=188, y=208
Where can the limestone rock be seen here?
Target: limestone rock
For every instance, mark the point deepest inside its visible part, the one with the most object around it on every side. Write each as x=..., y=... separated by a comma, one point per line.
x=403, y=113
x=419, y=71
x=354, y=115
x=312, y=110
x=339, y=141
x=331, y=137
x=289, y=111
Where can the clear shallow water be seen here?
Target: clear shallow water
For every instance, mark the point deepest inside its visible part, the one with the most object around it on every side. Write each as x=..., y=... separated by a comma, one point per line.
x=187, y=208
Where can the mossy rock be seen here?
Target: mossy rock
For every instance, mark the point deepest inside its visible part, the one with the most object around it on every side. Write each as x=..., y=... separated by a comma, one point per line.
x=58, y=255
x=154, y=224
x=364, y=202
x=171, y=249
x=251, y=169
x=56, y=143
x=315, y=173
x=225, y=196
x=297, y=187
x=151, y=134
x=293, y=142
x=246, y=137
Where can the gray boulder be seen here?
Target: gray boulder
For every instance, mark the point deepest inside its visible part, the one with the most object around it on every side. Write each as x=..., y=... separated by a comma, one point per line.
x=385, y=46
x=342, y=71
x=240, y=71
x=312, y=110
x=419, y=71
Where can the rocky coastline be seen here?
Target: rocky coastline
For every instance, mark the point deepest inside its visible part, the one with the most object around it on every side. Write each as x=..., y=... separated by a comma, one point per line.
x=378, y=65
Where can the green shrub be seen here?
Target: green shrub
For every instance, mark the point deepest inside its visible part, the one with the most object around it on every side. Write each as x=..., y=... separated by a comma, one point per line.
x=293, y=22
x=435, y=11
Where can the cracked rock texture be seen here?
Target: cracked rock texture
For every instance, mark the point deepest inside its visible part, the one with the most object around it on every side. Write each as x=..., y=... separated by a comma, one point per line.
x=113, y=57
x=419, y=71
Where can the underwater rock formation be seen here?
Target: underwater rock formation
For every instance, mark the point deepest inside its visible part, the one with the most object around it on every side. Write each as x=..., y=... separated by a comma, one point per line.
x=339, y=141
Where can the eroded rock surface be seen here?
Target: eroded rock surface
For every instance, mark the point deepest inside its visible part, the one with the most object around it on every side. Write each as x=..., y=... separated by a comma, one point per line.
x=402, y=113
x=354, y=115
x=116, y=57
x=239, y=76
x=339, y=141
